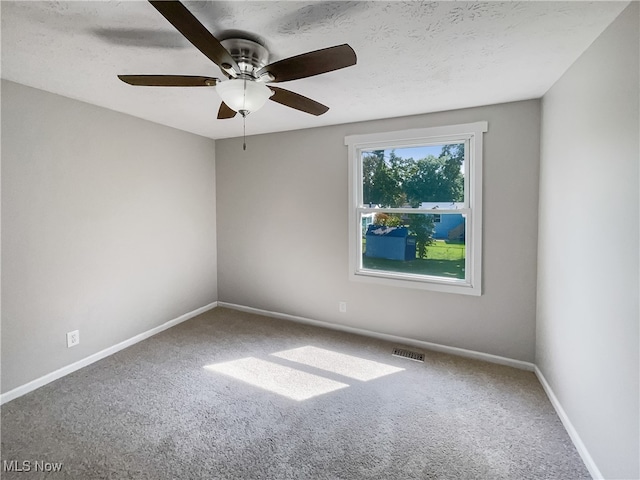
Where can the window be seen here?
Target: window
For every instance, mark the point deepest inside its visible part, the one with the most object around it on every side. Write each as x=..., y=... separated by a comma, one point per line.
x=397, y=182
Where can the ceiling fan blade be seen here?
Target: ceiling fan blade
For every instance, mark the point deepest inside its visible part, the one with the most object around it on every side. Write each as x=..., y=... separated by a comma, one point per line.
x=184, y=21
x=297, y=101
x=311, y=63
x=169, y=80
x=225, y=112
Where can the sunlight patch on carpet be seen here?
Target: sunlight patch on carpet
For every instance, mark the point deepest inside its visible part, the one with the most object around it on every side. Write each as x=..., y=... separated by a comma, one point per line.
x=340, y=363
x=286, y=381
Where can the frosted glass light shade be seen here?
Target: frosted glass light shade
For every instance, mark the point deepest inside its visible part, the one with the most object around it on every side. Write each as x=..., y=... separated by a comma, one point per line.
x=243, y=95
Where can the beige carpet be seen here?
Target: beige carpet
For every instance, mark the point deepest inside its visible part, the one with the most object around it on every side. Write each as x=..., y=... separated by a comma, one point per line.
x=230, y=395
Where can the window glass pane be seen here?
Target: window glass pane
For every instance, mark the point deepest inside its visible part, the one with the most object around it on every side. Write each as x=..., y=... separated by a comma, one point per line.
x=415, y=244
x=413, y=176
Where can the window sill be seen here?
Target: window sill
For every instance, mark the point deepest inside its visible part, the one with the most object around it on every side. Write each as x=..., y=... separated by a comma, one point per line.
x=419, y=282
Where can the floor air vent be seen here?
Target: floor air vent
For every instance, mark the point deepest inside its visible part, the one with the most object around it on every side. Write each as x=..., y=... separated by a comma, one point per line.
x=401, y=352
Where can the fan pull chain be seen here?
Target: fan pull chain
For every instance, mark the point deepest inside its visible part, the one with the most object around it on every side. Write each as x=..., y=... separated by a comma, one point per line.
x=244, y=117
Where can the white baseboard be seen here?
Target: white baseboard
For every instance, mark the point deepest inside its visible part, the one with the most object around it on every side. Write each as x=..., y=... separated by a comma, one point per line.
x=61, y=372
x=461, y=352
x=573, y=434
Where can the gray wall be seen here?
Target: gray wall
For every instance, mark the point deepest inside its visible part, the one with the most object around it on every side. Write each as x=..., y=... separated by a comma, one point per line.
x=108, y=226
x=283, y=239
x=587, y=333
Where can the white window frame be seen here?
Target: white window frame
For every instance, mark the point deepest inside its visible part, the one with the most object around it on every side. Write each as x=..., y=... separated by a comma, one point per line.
x=472, y=135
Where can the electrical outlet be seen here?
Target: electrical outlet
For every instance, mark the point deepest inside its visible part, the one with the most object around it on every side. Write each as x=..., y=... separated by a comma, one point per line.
x=342, y=306
x=73, y=338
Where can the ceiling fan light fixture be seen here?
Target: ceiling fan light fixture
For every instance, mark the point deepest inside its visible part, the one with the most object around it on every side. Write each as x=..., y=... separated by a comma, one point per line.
x=242, y=95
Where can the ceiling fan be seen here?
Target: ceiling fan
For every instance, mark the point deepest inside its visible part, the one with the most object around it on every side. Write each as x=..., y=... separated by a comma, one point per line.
x=245, y=64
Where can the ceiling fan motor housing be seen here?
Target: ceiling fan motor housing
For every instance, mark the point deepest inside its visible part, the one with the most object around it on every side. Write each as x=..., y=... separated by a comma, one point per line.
x=249, y=55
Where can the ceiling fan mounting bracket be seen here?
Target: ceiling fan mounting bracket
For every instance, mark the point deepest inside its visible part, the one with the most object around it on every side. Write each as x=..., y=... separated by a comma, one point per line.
x=249, y=55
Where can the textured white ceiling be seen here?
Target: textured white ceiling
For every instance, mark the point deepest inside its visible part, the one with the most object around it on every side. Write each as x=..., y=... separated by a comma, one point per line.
x=413, y=56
